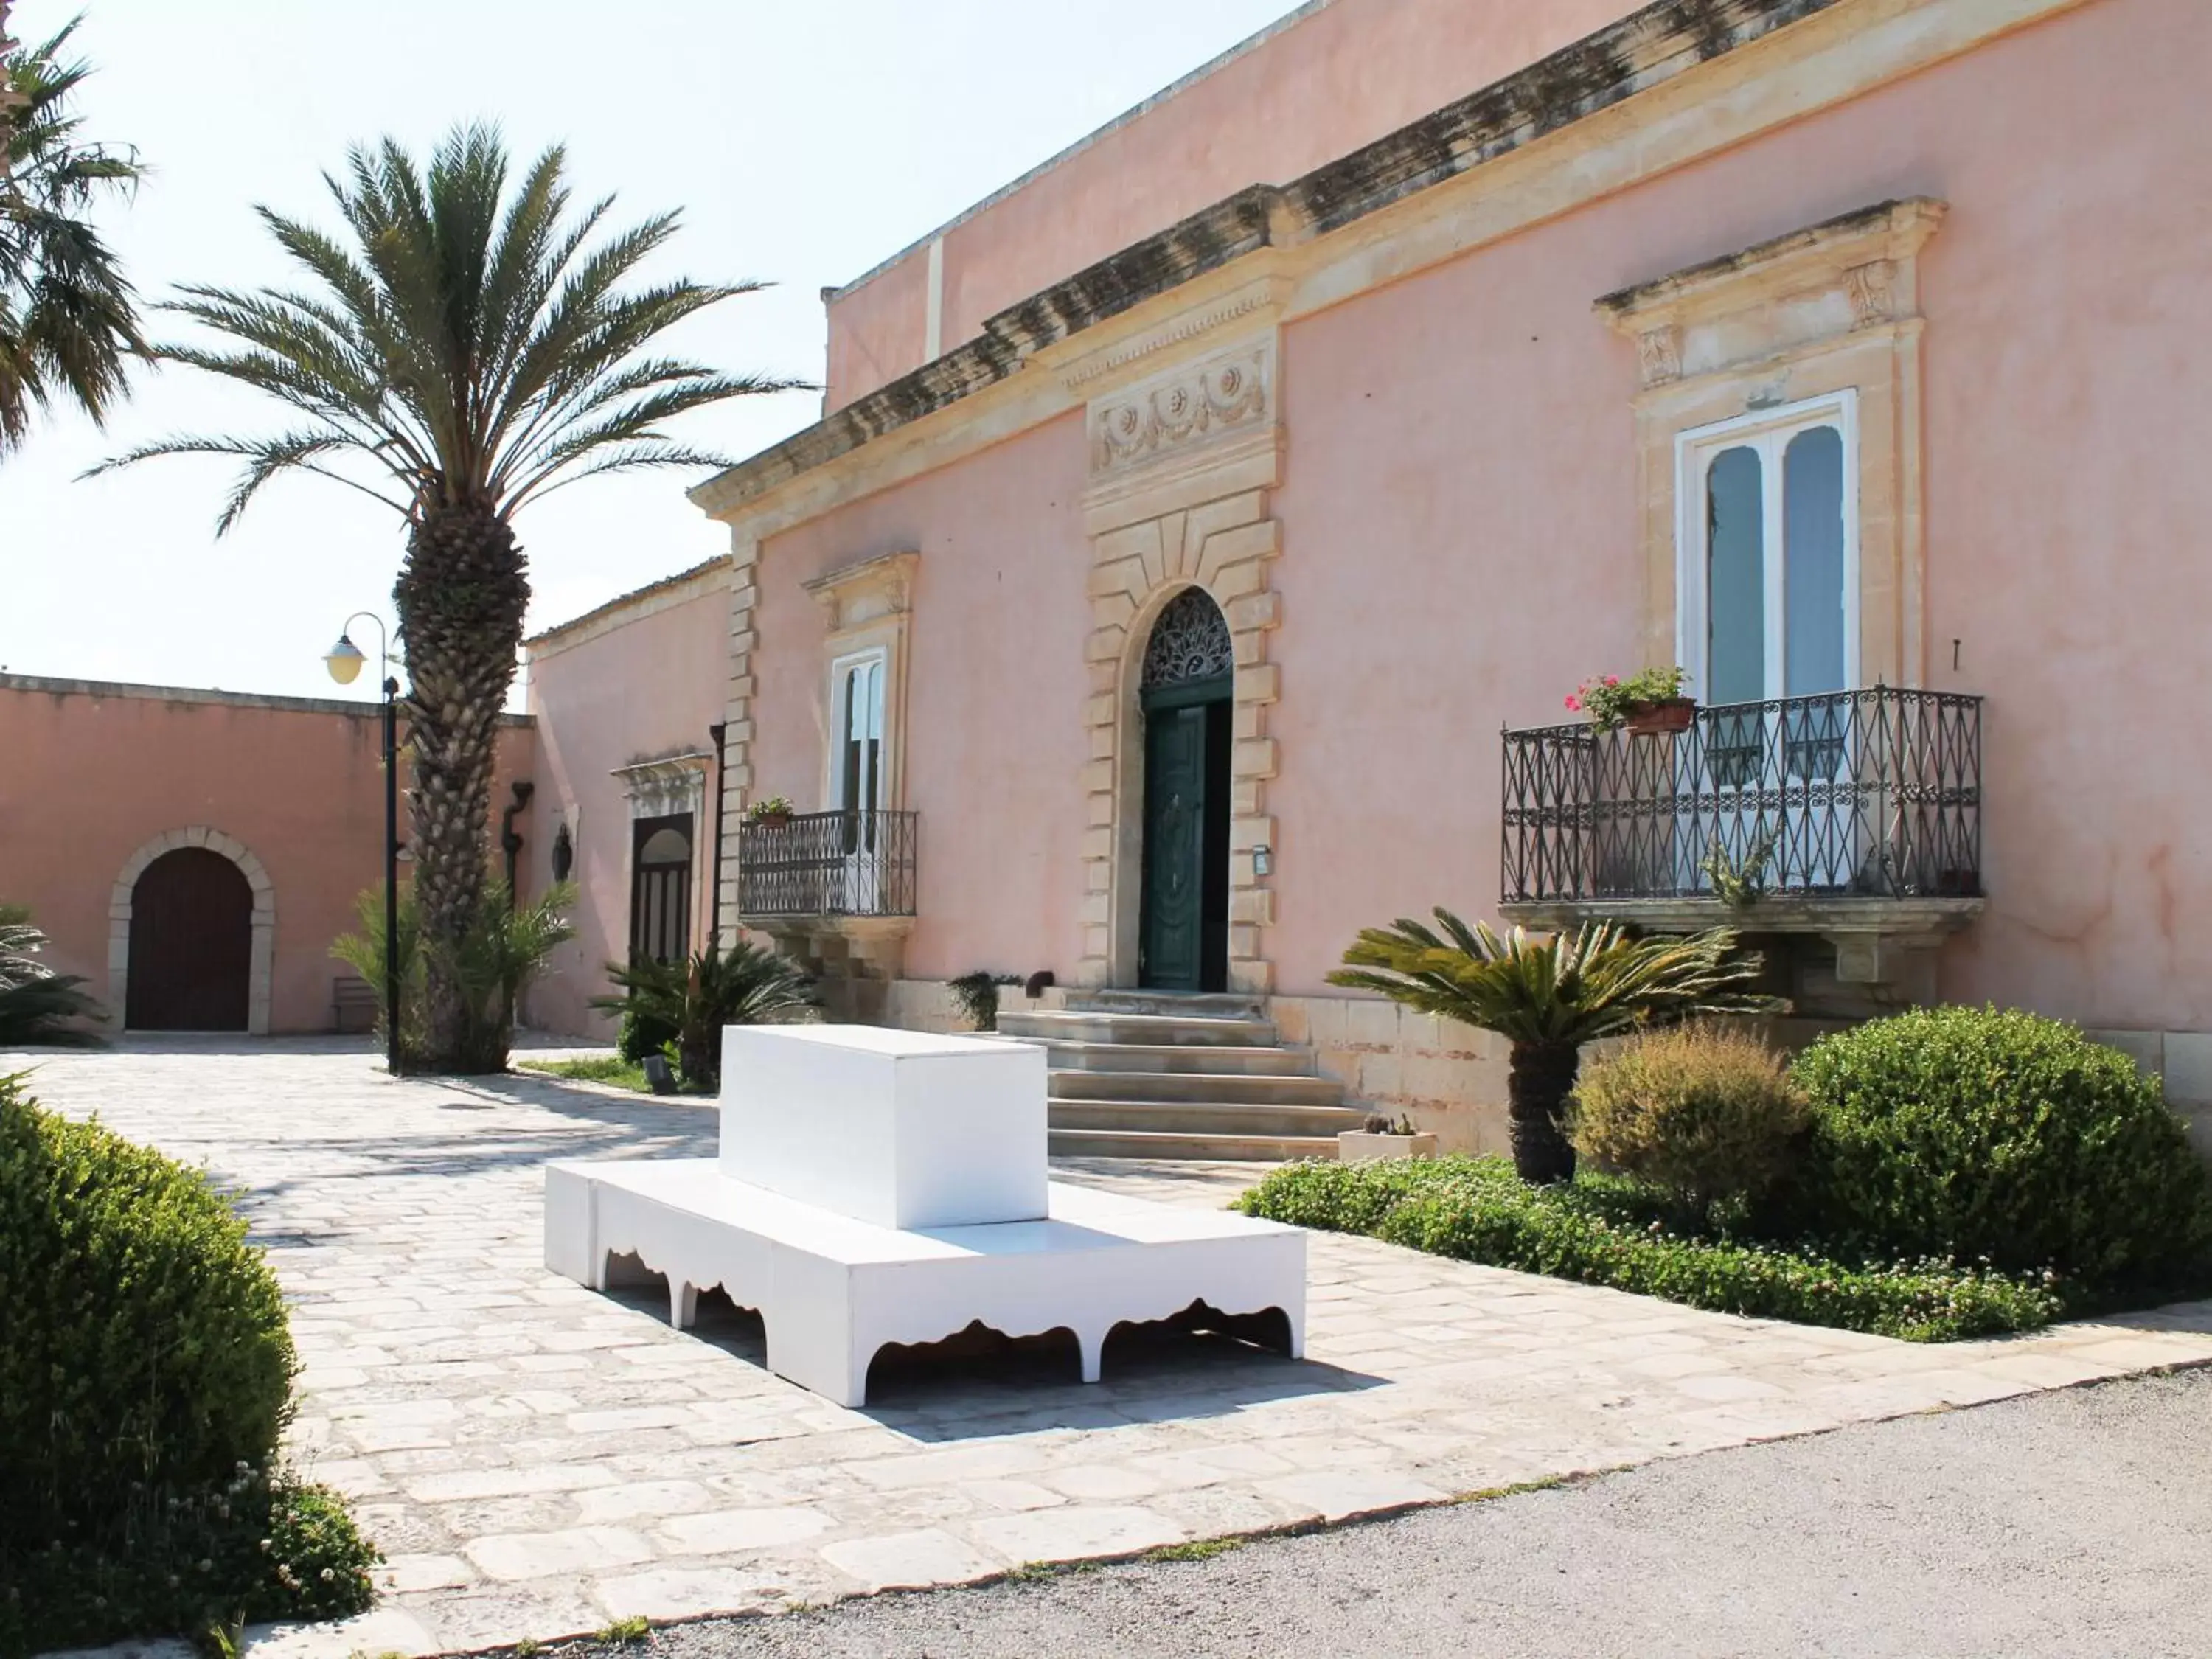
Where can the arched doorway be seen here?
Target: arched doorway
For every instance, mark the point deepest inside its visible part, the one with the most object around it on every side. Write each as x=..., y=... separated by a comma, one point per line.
x=1184, y=694
x=660, y=889
x=191, y=945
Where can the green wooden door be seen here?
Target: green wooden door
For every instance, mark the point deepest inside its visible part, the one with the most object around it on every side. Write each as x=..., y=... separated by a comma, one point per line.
x=1174, y=922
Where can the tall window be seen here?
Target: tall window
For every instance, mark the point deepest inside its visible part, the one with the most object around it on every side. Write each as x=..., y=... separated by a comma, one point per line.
x=660, y=889
x=1769, y=559
x=859, y=761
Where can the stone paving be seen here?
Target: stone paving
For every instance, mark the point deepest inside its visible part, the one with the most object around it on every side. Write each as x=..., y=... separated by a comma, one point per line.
x=536, y=1459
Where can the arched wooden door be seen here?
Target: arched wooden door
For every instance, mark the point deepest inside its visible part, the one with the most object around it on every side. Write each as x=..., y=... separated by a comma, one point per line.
x=1188, y=675
x=191, y=945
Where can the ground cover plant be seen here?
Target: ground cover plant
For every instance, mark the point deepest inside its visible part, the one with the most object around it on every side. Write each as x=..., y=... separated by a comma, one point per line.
x=1941, y=1173
x=145, y=1382
x=610, y=1069
x=1601, y=1230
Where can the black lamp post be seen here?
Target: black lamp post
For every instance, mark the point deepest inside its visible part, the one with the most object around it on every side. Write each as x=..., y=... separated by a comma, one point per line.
x=345, y=659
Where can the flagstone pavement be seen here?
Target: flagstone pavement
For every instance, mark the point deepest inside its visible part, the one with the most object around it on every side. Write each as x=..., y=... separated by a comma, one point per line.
x=537, y=1460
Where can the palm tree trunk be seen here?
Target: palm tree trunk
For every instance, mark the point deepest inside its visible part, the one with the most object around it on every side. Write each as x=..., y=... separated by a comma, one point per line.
x=461, y=595
x=1541, y=1076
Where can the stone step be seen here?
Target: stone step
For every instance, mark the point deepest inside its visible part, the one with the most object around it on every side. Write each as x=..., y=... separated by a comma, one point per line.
x=1219, y=1005
x=1226, y=1148
x=1219, y=1060
x=1193, y=1087
x=1181, y=1030
x=1318, y=1123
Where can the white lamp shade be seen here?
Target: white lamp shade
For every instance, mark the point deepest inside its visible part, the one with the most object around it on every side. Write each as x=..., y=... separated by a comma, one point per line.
x=345, y=659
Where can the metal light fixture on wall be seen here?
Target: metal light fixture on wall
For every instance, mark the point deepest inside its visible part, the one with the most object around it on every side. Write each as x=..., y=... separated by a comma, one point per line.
x=1263, y=860
x=564, y=853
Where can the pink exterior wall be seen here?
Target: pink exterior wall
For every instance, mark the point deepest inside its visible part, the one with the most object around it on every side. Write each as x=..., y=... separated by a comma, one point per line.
x=1460, y=540
x=94, y=773
x=648, y=688
x=994, y=753
x=1474, y=423
x=1337, y=79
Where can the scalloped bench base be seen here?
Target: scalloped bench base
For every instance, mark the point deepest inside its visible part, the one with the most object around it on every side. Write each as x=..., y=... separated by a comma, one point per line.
x=833, y=1291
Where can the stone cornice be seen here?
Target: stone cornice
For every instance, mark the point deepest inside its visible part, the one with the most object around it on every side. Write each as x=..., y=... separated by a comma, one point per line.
x=40, y=685
x=1851, y=241
x=1456, y=180
x=1650, y=46
x=880, y=586
x=627, y=608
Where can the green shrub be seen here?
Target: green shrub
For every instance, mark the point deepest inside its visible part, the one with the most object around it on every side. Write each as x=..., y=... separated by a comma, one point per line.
x=2001, y=1137
x=257, y=1549
x=1704, y=1112
x=1479, y=1209
x=146, y=1341
x=144, y=1383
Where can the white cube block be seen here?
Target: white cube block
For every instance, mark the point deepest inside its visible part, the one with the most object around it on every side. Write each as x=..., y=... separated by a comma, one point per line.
x=898, y=1128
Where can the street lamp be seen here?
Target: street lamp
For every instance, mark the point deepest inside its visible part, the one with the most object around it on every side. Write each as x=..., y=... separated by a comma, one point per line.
x=345, y=659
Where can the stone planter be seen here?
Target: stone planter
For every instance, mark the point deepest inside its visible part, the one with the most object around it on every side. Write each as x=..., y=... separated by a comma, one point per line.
x=1357, y=1146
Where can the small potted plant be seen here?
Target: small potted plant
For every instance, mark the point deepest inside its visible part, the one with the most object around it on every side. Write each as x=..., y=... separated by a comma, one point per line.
x=773, y=813
x=1380, y=1138
x=1646, y=702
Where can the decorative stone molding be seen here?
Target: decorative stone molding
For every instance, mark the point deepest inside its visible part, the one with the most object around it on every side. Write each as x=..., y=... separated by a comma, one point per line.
x=1853, y=272
x=671, y=784
x=1223, y=546
x=261, y=972
x=1191, y=404
x=1831, y=307
x=863, y=592
x=737, y=773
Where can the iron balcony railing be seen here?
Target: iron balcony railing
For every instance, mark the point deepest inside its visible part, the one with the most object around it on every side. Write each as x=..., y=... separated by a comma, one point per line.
x=1873, y=793
x=827, y=864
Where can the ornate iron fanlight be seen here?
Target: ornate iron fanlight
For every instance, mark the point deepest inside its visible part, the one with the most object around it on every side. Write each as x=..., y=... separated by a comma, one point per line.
x=1190, y=641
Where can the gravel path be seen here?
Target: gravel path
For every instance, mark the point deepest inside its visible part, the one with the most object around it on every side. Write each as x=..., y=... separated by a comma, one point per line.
x=2070, y=1523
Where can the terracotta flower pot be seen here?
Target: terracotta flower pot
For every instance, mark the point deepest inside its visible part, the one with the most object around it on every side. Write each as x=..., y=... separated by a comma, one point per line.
x=1645, y=720
x=772, y=821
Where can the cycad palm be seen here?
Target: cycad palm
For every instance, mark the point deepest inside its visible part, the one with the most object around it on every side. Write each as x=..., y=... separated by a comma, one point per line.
x=464, y=353
x=67, y=324
x=1547, y=997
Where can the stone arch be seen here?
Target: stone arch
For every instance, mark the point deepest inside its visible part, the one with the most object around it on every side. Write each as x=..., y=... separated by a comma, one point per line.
x=1224, y=547
x=261, y=973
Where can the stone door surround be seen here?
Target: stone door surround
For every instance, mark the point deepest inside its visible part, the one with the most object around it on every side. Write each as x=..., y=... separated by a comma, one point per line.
x=262, y=972
x=1180, y=462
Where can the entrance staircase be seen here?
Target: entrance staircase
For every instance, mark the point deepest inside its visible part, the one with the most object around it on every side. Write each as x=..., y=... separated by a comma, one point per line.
x=1152, y=1074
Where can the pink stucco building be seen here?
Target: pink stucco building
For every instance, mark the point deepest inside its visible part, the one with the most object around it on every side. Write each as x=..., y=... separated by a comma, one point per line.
x=1204, y=531
x=192, y=854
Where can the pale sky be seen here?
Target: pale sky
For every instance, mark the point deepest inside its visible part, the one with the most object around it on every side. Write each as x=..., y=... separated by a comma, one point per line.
x=804, y=140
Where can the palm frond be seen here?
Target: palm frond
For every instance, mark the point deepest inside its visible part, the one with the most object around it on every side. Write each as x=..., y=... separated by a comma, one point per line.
x=474, y=343
x=1567, y=989
x=69, y=324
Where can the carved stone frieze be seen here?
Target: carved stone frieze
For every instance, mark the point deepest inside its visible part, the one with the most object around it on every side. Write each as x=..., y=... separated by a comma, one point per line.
x=1659, y=354
x=1873, y=290
x=1183, y=409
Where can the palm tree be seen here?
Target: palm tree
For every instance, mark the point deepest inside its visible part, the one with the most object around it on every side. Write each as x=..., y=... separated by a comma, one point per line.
x=465, y=354
x=38, y=1004
x=68, y=320
x=1549, y=996
x=688, y=1003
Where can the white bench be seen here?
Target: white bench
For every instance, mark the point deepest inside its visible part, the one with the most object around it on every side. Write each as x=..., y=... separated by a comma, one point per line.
x=832, y=1292
x=880, y=1187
